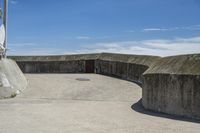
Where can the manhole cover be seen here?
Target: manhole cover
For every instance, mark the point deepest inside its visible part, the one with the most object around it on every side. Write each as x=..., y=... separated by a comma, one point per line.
x=83, y=79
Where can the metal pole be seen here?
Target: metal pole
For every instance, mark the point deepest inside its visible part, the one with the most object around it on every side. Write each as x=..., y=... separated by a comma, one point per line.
x=5, y=22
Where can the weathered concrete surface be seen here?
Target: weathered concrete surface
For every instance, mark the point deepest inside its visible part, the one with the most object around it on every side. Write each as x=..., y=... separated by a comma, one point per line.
x=54, y=64
x=12, y=80
x=56, y=57
x=130, y=67
x=75, y=66
x=61, y=104
x=172, y=85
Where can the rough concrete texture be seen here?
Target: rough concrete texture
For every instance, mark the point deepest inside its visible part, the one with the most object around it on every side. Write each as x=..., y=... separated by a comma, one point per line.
x=134, y=59
x=128, y=71
x=182, y=64
x=130, y=67
x=12, y=80
x=172, y=85
x=75, y=66
x=55, y=57
x=62, y=104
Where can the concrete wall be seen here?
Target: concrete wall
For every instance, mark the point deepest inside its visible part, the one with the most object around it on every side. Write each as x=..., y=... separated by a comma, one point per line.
x=12, y=80
x=172, y=85
x=123, y=70
x=52, y=66
x=55, y=58
x=129, y=67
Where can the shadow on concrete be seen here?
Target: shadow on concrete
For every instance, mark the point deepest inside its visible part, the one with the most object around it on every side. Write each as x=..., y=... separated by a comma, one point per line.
x=120, y=78
x=138, y=107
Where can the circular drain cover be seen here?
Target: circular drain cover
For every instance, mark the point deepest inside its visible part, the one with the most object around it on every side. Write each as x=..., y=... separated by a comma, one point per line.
x=83, y=79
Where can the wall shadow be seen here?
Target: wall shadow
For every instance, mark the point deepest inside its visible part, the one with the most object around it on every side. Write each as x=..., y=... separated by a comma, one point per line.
x=138, y=107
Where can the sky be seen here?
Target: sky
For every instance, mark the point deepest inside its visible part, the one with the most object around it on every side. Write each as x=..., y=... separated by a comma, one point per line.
x=147, y=27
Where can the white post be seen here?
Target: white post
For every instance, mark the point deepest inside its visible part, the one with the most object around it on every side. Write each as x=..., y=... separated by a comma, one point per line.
x=5, y=22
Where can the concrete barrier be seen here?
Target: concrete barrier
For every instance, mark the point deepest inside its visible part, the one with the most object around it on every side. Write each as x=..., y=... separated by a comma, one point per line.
x=12, y=80
x=55, y=64
x=129, y=67
x=172, y=85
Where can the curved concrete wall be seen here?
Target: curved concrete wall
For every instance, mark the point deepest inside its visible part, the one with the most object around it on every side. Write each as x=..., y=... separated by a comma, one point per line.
x=172, y=85
x=129, y=67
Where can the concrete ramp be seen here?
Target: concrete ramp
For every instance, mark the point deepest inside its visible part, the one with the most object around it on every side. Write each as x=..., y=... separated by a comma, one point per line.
x=12, y=80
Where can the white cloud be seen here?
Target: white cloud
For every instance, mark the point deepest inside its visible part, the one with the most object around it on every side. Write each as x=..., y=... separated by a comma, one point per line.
x=155, y=29
x=83, y=38
x=148, y=47
x=14, y=2
x=191, y=28
x=160, y=47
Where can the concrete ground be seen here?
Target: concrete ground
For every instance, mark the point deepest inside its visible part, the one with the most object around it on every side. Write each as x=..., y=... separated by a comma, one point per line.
x=59, y=103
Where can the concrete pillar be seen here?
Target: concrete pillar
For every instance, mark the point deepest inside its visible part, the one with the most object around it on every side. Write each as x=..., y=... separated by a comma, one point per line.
x=5, y=20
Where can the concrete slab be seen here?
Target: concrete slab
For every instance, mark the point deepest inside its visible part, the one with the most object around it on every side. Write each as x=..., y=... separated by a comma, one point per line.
x=60, y=103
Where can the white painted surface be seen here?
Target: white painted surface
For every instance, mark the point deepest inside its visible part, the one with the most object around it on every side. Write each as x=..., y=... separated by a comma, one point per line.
x=4, y=80
x=2, y=37
x=2, y=34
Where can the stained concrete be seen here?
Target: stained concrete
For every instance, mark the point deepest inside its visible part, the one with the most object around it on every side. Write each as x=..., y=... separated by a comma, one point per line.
x=56, y=57
x=12, y=80
x=182, y=65
x=74, y=66
x=67, y=86
x=172, y=85
x=60, y=103
x=129, y=67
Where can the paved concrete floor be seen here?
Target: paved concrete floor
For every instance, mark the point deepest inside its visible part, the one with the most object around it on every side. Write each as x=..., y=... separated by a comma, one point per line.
x=58, y=103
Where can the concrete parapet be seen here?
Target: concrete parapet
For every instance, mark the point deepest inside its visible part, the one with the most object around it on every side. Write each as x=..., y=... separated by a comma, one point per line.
x=55, y=64
x=55, y=58
x=130, y=67
x=172, y=85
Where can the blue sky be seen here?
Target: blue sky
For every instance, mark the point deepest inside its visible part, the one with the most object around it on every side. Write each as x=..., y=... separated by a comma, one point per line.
x=152, y=27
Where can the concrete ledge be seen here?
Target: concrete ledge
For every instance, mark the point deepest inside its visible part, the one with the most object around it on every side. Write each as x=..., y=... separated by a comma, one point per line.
x=55, y=58
x=12, y=80
x=172, y=85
